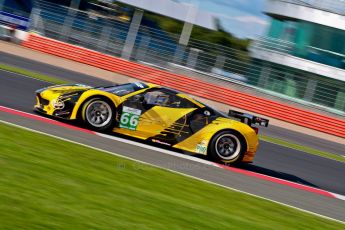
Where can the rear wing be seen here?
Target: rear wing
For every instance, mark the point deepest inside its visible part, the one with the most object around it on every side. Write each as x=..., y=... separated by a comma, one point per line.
x=248, y=118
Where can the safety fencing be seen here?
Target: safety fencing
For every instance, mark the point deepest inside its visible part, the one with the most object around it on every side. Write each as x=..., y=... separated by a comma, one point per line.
x=110, y=34
x=188, y=85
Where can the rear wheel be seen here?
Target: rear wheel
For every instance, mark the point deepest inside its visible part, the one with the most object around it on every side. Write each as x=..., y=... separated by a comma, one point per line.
x=98, y=114
x=227, y=147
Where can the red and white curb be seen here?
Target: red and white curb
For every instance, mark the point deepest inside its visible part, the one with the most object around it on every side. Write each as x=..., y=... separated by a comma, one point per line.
x=232, y=169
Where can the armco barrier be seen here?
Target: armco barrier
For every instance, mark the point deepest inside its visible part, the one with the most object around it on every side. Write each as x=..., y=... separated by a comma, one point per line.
x=207, y=90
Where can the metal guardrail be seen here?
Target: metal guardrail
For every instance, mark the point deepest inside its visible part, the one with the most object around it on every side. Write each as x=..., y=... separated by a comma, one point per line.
x=274, y=45
x=152, y=45
x=15, y=11
x=310, y=53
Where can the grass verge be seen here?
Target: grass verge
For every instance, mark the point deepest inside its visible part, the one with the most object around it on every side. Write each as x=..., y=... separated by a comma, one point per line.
x=53, y=184
x=303, y=148
x=32, y=74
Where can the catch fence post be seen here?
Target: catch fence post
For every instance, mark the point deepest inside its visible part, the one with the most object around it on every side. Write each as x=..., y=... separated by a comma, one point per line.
x=132, y=34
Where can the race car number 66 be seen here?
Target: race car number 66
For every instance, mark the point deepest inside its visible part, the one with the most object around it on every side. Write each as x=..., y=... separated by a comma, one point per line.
x=129, y=118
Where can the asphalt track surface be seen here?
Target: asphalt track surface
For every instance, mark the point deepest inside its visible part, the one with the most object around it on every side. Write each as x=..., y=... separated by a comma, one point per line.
x=18, y=92
x=68, y=75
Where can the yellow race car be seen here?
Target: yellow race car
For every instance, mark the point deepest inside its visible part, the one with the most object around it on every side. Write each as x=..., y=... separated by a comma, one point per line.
x=156, y=114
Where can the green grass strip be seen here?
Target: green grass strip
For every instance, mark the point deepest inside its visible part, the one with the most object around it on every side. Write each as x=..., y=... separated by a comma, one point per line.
x=39, y=76
x=48, y=183
x=303, y=148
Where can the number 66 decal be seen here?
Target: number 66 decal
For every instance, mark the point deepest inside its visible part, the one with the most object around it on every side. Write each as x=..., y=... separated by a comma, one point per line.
x=130, y=118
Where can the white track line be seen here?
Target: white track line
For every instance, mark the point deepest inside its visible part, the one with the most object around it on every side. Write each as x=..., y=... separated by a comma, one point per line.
x=195, y=159
x=338, y=196
x=170, y=170
x=171, y=153
x=187, y=157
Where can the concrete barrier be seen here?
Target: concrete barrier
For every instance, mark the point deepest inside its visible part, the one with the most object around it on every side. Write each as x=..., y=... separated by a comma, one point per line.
x=182, y=83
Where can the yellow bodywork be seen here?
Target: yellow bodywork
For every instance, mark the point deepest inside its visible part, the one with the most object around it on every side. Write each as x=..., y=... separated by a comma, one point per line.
x=52, y=94
x=204, y=136
x=156, y=120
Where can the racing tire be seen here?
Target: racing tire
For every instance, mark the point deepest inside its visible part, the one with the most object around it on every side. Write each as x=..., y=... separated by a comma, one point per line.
x=227, y=147
x=98, y=114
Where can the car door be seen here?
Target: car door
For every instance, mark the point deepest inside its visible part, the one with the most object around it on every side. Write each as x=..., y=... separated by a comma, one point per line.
x=172, y=112
x=155, y=115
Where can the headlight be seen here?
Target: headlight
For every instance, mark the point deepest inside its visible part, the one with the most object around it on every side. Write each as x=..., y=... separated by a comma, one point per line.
x=58, y=103
x=65, y=100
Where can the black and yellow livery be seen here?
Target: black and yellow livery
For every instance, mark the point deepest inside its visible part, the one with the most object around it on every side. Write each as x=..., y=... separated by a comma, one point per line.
x=156, y=114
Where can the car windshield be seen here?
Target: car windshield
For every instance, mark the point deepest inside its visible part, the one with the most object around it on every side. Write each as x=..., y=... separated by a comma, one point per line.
x=122, y=90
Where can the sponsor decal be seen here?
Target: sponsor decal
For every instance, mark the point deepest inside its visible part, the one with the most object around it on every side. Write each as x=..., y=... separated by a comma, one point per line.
x=202, y=147
x=160, y=142
x=129, y=118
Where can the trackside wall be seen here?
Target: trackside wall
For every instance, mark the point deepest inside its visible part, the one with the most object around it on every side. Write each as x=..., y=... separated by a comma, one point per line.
x=182, y=83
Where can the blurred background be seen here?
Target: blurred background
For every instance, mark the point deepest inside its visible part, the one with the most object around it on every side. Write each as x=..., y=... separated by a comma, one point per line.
x=293, y=50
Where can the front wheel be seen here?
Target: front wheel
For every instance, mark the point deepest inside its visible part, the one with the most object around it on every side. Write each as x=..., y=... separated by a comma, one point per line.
x=98, y=114
x=227, y=147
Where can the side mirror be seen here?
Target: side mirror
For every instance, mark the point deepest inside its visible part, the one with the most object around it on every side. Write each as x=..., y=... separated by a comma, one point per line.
x=207, y=113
